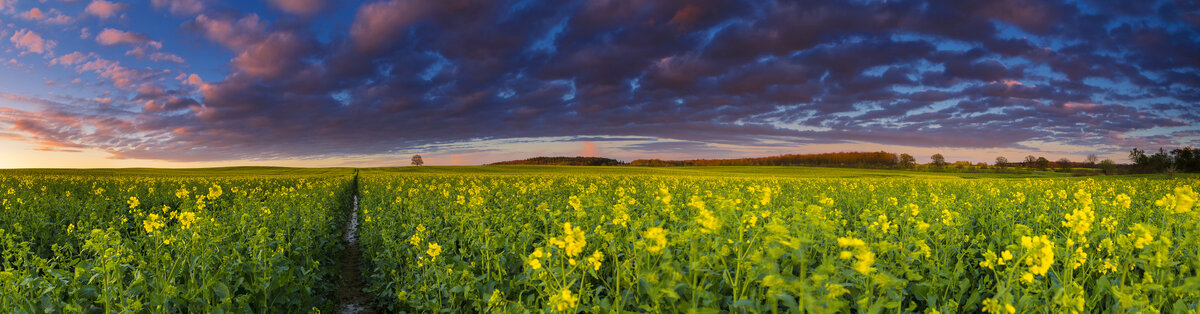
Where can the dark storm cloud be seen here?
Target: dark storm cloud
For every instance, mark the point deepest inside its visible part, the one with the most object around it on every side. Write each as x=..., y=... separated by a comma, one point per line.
x=409, y=73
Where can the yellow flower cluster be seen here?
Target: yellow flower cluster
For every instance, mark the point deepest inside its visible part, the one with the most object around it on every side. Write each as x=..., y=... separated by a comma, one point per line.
x=913, y=209
x=153, y=222
x=1040, y=255
x=1181, y=202
x=595, y=260
x=133, y=202
x=573, y=240
x=1080, y=220
x=434, y=250
x=708, y=222
x=991, y=260
x=882, y=224
x=995, y=306
x=1123, y=201
x=1143, y=236
x=865, y=259
x=657, y=238
x=564, y=300
x=186, y=219
x=621, y=215
x=575, y=203
x=535, y=258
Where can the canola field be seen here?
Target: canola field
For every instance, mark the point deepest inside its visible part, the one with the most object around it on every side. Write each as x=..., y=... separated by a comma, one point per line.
x=161, y=244
x=514, y=240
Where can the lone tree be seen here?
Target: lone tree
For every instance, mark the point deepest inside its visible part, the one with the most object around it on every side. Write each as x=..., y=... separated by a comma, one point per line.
x=1091, y=159
x=417, y=161
x=1042, y=163
x=939, y=161
x=1001, y=162
x=1030, y=161
x=907, y=161
x=1108, y=166
x=1064, y=165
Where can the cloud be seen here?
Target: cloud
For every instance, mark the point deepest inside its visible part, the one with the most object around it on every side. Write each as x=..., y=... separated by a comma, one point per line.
x=32, y=42
x=71, y=59
x=181, y=7
x=104, y=9
x=590, y=150
x=53, y=16
x=109, y=37
x=299, y=7
x=236, y=34
x=707, y=77
x=377, y=24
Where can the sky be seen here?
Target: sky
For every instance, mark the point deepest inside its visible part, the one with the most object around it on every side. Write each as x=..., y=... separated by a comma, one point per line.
x=198, y=83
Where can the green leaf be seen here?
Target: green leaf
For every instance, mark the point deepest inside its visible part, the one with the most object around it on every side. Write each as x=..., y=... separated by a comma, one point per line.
x=221, y=291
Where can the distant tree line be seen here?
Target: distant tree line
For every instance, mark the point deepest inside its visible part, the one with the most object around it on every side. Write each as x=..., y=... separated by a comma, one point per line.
x=564, y=161
x=1186, y=159
x=1183, y=159
x=878, y=160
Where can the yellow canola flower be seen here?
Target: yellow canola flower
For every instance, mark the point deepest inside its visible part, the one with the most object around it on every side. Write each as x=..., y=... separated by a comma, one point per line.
x=1123, y=201
x=133, y=202
x=535, y=258
x=657, y=238
x=573, y=240
x=415, y=239
x=434, y=250
x=186, y=219
x=564, y=300
x=595, y=260
x=994, y=306
x=1040, y=256
x=864, y=257
x=913, y=209
x=1080, y=220
x=1185, y=199
x=708, y=222
x=1143, y=236
x=575, y=203
x=152, y=223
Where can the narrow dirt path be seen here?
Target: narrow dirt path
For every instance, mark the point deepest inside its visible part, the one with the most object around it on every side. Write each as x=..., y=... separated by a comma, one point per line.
x=351, y=298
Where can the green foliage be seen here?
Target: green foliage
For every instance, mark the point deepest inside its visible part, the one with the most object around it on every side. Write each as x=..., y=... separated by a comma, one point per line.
x=704, y=244
x=150, y=243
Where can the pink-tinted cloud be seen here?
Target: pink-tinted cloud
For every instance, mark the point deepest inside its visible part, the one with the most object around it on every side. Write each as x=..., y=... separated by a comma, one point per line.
x=33, y=14
x=104, y=9
x=144, y=52
x=237, y=34
x=273, y=56
x=71, y=59
x=53, y=16
x=299, y=7
x=378, y=24
x=110, y=37
x=181, y=7
x=31, y=42
x=119, y=75
x=194, y=80
x=590, y=150
x=166, y=57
